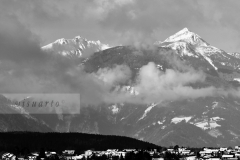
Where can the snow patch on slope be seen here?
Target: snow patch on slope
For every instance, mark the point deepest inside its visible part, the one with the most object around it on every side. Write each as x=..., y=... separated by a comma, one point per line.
x=207, y=123
x=209, y=50
x=210, y=61
x=237, y=79
x=206, y=58
x=180, y=119
x=215, y=133
x=160, y=66
x=215, y=104
x=182, y=46
x=147, y=110
x=114, y=109
x=217, y=119
x=130, y=90
x=235, y=54
x=161, y=122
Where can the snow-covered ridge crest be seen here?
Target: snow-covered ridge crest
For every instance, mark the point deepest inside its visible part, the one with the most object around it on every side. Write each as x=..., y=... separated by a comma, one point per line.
x=78, y=46
x=187, y=36
x=184, y=38
x=187, y=43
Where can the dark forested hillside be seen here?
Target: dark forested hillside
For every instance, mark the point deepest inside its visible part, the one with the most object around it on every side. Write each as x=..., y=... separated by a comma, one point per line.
x=33, y=141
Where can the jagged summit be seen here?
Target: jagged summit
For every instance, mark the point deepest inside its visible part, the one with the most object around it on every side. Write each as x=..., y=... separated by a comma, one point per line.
x=187, y=36
x=61, y=41
x=187, y=43
x=183, y=31
x=75, y=47
x=78, y=37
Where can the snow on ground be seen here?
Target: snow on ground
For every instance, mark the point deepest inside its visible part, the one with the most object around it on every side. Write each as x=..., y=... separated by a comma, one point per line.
x=214, y=105
x=180, y=46
x=22, y=111
x=147, y=110
x=163, y=127
x=185, y=35
x=130, y=89
x=209, y=50
x=205, y=124
x=233, y=133
x=210, y=61
x=237, y=55
x=215, y=133
x=182, y=34
x=159, y=122
x=180, y=119
x=122, y=118
x=205, y=112
x=222, y=63
x=199, y=50
x=237, y=79
x=75, y=46
x=217, y=119
x=160, y=66
x=114, y=109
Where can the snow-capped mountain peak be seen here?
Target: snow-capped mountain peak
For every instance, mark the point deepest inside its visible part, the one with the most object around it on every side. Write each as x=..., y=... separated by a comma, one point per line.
x=187, y=43
x=61, y=41
x=78, y=37
x=78, y=46
x=186, y=36
x=179, y=34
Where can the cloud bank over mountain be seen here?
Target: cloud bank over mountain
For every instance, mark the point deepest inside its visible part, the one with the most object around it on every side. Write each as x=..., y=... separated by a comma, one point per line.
x=128, y=21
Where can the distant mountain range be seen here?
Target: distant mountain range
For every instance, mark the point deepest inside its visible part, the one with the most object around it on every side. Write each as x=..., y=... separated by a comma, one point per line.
x=206, y=120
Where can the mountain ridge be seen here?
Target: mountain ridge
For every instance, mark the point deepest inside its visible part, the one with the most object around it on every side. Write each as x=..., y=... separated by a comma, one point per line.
x=76, y=47
x=204, y=120
x=210, y=114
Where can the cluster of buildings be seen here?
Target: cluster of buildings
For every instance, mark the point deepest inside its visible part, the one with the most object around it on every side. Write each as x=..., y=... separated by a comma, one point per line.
x=179, y=153
x=8, y=156
x=66, y=155
x=71, y=155
x=221, y=153
x=208, y=153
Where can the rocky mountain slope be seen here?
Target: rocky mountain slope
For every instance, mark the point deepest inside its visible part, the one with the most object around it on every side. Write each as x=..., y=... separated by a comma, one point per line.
x=205, y=121
x=16, y=118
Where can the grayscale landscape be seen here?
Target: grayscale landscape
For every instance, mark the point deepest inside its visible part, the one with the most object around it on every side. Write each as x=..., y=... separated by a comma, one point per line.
x=162, y=78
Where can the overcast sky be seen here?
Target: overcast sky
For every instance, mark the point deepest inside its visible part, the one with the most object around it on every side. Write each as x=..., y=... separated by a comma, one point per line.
x=128, y=21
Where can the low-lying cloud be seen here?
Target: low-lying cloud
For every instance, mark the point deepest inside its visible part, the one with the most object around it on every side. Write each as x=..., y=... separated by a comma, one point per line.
x=114, y=76
x=154, y=85
x=169, y=85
